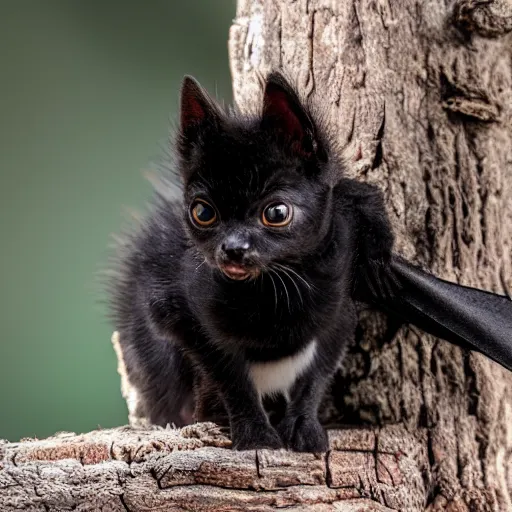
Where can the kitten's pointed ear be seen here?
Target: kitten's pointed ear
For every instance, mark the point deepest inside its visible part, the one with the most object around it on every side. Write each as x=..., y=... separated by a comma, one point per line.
x=284, y=114
x=196, y=106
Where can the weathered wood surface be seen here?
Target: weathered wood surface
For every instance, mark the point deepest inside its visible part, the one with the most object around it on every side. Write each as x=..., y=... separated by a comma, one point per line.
x=194, y=469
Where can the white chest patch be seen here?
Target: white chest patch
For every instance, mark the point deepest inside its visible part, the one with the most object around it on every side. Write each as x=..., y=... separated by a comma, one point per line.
x=279, y=376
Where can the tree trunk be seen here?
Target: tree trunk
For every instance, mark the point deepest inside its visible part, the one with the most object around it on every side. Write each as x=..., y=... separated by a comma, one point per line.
x=420, y=95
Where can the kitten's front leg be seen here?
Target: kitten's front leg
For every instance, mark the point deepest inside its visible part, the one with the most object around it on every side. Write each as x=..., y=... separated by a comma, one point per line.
x=300, y=428
x=228, y=374
x=249, y=425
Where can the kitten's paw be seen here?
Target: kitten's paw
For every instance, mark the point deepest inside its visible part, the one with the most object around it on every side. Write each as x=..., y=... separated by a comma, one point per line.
x=252, y=436
x=303, y=434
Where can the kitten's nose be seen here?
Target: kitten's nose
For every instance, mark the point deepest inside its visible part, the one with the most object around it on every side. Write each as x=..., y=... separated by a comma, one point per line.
x=235, y=247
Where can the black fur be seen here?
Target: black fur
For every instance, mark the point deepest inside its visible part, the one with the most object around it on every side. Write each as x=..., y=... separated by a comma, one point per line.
x=470, y=318
x=179, y=315
x=184, y=312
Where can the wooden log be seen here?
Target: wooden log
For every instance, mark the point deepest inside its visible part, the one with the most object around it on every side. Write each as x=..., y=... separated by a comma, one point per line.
x=194, y=469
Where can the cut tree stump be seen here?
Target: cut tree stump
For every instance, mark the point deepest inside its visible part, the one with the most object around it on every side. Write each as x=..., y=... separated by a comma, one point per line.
x=193, y=469
x=142, y=468
x=419, y=93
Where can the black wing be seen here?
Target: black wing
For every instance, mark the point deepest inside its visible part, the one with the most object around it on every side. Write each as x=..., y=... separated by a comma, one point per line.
x=468, y=317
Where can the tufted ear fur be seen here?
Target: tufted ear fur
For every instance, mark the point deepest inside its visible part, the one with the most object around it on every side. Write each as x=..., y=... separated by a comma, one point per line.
x=198, y=114
x=196, y=106
x=284, y=115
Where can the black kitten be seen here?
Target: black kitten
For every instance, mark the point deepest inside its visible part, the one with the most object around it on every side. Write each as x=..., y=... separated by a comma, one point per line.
x=247, y=280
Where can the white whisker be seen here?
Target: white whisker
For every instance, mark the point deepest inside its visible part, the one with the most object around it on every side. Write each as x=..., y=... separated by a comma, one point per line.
x=275, y=292
x=200, y=265
x=294, y=284
x=294, y=272
x=285, y=289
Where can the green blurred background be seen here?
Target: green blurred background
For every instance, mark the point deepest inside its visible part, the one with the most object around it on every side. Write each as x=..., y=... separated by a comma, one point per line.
x=87, y=90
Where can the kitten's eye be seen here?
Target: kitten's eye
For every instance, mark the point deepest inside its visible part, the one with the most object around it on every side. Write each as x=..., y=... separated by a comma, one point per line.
x=277, y=215
x=203, y=213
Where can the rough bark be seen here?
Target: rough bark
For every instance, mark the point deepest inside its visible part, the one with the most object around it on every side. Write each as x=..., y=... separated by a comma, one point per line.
x=139, y=470
x=420, y=95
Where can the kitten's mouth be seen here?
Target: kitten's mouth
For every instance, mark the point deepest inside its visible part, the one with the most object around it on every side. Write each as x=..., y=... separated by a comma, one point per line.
x=239, y=272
